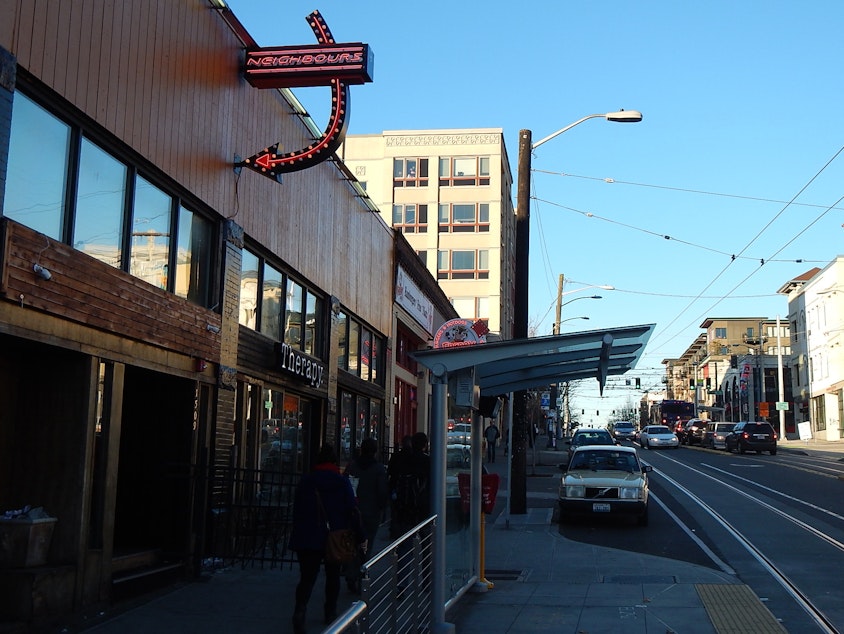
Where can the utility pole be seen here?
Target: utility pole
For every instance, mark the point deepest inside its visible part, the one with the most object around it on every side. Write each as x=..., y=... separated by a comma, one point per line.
x=555, y=387
x=518, y=491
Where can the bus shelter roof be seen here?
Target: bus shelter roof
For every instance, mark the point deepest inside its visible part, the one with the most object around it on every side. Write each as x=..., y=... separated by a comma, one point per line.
x=523, y=364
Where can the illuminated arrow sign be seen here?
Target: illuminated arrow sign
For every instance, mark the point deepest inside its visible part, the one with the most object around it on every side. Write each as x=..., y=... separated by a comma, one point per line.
x=326, y=64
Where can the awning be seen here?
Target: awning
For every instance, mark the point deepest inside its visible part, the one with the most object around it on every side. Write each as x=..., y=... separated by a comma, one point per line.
x=521, y=364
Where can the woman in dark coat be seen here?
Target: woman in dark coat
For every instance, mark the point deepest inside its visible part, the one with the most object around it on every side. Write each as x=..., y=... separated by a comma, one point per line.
x=322, y=495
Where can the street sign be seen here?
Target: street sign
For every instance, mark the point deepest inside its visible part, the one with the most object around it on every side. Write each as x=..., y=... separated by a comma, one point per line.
x=782, y=405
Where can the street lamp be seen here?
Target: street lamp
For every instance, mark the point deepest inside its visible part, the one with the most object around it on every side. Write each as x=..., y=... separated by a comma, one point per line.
x=518, y=492
x=572, y=319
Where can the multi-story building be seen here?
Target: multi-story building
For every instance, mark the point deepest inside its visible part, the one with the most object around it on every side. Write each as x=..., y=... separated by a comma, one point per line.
x=450, y=193
x=731, y=372
x=816, y=317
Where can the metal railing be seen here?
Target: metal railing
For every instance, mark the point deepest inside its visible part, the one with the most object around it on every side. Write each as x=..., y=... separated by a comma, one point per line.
x=395, y=588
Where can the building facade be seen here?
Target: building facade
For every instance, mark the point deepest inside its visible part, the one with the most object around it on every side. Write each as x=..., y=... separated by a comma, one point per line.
x=167, y=315
x=450, y=193
x=816, y=317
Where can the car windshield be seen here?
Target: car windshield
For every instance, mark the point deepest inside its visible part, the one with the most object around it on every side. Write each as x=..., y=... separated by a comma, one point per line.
x=592, y=439
x=659, y=430
x=724, y=427
x=624, y=425
x=603, y=460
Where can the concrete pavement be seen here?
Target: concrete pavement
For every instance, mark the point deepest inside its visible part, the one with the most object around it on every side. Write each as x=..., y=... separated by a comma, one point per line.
x=542, y=583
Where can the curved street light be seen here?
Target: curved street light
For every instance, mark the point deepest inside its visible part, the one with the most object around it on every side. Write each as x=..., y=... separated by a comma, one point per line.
x=571, y=319
x=517, y=472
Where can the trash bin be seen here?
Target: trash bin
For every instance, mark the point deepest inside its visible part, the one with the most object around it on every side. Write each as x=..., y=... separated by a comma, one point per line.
x=24, y=542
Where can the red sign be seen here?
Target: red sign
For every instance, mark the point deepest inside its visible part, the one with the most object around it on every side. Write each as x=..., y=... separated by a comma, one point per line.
x=460, y=332
x=325, y=64
x=489, y=489
x=303, y=66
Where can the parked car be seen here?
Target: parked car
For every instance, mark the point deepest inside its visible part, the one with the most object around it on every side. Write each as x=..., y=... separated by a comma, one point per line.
x=605, y=480
x=623, y=430
x=657, y=436
x=755, y=436
x=689, y=433
x=715, y=433
x=589, y=436
x=460, y=434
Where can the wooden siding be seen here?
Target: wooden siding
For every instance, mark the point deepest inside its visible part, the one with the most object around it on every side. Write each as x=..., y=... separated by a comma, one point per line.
x=164, y=77
x=86, y=291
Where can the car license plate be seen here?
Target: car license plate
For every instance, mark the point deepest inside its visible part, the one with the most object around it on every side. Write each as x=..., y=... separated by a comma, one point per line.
x=761, y=436
x=599, y=507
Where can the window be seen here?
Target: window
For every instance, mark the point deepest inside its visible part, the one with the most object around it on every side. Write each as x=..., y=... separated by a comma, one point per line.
x=720, y=333
x=410, y=218
x=466, y=217
x=112, y=213
x=360, y=351
x=464, y=171
x=463, y=265
x=410, y=172
x=100, y=205
x=283, y=302
x=150, y=249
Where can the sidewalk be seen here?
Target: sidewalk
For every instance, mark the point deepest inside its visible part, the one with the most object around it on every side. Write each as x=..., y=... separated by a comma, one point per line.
x=542, y=583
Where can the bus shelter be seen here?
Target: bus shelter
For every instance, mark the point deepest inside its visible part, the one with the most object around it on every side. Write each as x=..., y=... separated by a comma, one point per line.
x=500, y=368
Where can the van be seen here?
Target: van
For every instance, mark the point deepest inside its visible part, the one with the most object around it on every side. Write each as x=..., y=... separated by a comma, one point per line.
x=714, y=435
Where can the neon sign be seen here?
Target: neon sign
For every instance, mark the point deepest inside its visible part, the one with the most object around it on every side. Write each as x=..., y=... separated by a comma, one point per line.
x=324, y=64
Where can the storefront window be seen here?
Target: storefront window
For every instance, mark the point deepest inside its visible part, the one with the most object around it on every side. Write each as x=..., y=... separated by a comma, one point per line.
x=347, y=432
x=194, y=257
x=293, y=315
x=365, y=353
x=354, y=348
x=248, y=290
x=271, y=304
x=342, y=341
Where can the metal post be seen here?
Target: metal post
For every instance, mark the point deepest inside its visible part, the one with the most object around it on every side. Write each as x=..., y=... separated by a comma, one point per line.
x=475, y=499
x=781, y=386
x=439, y=415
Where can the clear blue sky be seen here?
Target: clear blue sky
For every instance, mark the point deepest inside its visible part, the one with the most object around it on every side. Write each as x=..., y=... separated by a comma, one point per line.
x=741, y=117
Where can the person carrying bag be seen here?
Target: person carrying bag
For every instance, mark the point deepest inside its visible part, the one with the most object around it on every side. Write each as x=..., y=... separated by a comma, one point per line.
x=324, y=503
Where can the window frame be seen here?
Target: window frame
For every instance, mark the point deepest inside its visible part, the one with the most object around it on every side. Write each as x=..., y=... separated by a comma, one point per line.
x=450, y=174
x=406, y=176
x=449, y=272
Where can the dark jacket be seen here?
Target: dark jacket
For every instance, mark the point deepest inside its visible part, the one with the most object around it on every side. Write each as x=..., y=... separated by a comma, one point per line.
x=373, y=492
x=309, y=530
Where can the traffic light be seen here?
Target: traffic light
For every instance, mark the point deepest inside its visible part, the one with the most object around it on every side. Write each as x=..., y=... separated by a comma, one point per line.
x=638, y=383
x=691, y=384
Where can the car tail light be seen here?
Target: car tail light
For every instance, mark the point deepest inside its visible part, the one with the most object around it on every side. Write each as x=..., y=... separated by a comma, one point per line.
x=745, y=435
x=775, y=436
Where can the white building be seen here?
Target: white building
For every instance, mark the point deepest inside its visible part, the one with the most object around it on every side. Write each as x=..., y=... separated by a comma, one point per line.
x=816, y=315
x=450, y=193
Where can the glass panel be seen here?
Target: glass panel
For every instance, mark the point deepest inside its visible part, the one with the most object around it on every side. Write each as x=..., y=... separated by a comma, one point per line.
x=37, y=169
x=193, y=258
x=483, y=307
x=312, y=314
x=248, y=289
x=271, y=304
x=410, y=214
x=342, y=342
x=462, y=260
x=354, y=348
x=398, y=217
x=483, y=215
x=484, y=160
x=100, y=204
x=347, y=418
x=150, y=251
x=442, y=260
x=445, y=167
x=423, y=168
x=374, y=418
x=410, y=164
x=465, y=166
x=292, y=435
x=423, y=214
x=483, y=260
x=398, y=168
x=365, y=351
x=293, y=315
x=444, y=213
x=363, y=421
x=463, y=214
x=375, y=360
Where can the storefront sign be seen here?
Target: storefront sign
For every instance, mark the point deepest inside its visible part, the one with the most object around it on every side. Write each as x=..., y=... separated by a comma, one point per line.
x=460, y=332
x=313, y=65
x=301, y=365
x=409, y=297
x=324, y=64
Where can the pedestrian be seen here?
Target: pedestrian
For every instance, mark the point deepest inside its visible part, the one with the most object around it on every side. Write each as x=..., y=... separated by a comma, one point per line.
x=398, y=463
x=491, y=435
x=323, y=498
x=410, y=475
x=373, y=495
